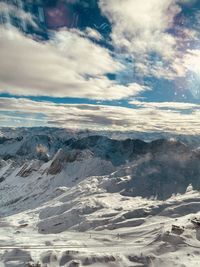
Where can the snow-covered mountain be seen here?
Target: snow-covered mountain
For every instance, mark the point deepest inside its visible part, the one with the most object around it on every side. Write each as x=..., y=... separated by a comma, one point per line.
x=21, y=141
x=95, y=200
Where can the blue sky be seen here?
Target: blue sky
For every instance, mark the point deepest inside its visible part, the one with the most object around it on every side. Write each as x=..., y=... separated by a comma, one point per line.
x=107, y=64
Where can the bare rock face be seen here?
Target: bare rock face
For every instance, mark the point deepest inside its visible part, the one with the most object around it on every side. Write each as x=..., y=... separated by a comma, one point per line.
x=57, y=163
x=28, y=168
x=64, y=156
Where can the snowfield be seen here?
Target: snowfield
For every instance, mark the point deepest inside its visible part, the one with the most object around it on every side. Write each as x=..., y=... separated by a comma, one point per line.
x=80, y=199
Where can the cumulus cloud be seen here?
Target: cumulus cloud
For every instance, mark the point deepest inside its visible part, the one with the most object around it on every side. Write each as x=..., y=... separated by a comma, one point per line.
x=68, y=65
x=150, y=118
x=145, y=29
x=140, y=25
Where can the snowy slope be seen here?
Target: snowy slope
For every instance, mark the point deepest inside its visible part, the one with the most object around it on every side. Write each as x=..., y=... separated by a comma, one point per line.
x=73, y=199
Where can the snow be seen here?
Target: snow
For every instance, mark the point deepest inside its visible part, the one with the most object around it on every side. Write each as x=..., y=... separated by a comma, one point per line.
x=73, y=209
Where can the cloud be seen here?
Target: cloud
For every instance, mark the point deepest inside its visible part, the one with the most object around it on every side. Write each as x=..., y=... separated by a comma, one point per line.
x=166, y=105
x=192, y=60
x=68, y=65
x=92, y=33
x=140, y=26
x=149, y=118
x=147, y=30
x=8, y=10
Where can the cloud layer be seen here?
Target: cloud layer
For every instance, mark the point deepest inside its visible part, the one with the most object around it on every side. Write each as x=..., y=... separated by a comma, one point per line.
x=150, y=41
x=150, y=118
x=69, y=65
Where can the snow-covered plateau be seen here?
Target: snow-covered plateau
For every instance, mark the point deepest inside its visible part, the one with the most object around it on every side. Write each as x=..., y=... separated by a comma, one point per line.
x=70, y=198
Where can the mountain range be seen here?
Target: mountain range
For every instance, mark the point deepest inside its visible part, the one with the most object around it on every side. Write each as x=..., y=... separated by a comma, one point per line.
x=105, y=185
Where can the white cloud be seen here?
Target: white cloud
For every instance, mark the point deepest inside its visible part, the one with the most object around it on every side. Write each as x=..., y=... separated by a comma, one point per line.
x=166, y=105
x=7, y=10
x=149, y=118
x=67, y=66
x=142, y=28
x=92, y=33
x=140, y=25
x=192, y=60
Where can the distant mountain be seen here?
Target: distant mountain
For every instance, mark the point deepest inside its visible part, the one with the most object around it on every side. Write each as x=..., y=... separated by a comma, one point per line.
x=157, y=168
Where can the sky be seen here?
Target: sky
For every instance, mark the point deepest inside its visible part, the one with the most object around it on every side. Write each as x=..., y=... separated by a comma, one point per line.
x=119, y=65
